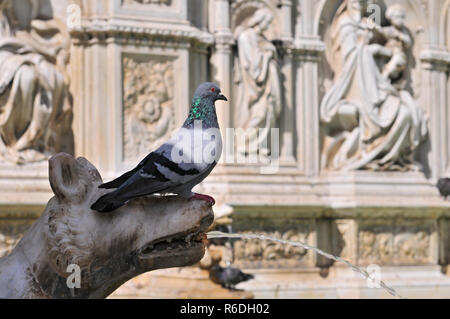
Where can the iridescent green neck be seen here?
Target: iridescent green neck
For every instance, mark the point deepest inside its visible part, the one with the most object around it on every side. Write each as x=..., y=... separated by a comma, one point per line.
x=197, y=109
x=202, y=110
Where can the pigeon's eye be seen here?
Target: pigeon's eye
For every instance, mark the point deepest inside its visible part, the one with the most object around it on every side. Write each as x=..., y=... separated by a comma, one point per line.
x=213, y=90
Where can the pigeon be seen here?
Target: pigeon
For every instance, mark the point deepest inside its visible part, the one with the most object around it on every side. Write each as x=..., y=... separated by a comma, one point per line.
x=178, y=165
x=228, y=277
x=444, y=186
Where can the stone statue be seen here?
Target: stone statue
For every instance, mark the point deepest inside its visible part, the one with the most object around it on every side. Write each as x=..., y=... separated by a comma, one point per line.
x=74, y=252
x=370, y=123
x=259, y=81
x=35, y=105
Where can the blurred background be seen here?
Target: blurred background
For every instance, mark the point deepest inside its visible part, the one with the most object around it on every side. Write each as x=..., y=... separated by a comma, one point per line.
x=349, y=99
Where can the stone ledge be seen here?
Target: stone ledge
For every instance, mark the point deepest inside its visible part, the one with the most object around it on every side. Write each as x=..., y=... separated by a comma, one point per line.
x=410, y=282
x=435, y=56
x=243, y=186
x=101, y=31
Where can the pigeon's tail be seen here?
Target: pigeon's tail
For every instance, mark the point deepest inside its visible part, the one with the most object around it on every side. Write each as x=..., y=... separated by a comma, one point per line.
x=108, y=203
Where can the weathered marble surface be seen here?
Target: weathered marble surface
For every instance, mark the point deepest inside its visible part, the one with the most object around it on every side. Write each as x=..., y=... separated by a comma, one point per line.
x=369, y=114
x=257, y=75
x=367, y=204
x=149, y=115
x=108, y=249
x=35, y=102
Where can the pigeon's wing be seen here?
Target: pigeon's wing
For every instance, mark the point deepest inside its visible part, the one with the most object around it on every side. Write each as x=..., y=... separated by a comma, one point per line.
x=181, y=159
x=158, y=174
x=233, y=275
x=122, y=179
x=165, y=150
x=141, y=185
x=173, y=165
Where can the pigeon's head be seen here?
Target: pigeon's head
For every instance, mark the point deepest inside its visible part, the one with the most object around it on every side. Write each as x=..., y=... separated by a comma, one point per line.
x=209, y=91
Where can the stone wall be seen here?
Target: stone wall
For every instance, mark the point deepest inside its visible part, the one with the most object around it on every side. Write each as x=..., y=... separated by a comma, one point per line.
x=359, y=93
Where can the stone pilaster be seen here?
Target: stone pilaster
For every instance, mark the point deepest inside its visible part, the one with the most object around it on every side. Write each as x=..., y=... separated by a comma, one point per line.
x=222, y=56
x=435, y=64
x=306, y=55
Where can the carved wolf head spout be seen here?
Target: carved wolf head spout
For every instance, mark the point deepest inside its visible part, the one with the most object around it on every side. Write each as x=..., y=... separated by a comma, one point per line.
x=147, y=234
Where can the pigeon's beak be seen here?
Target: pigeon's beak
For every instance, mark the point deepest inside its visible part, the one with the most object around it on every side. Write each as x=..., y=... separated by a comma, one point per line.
x=222, y=97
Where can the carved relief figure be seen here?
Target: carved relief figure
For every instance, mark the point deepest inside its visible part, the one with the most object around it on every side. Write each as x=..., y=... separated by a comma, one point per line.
x=398, y=40
x=259, y=102
x=149, y=118
x=35, y=105
x=370, y=123
x=270, y=254
x=395, y=245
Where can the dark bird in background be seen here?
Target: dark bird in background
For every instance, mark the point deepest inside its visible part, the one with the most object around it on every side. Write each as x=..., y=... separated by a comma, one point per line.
x=228, y=277
x=444, y=187
x=161, y=172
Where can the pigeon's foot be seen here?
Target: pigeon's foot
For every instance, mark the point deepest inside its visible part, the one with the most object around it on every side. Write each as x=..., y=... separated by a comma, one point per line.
x=206, y=198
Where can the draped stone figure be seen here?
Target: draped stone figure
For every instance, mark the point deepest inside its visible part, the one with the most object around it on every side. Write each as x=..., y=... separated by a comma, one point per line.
x=259, y=101
x=370, y=122
x=35, y=106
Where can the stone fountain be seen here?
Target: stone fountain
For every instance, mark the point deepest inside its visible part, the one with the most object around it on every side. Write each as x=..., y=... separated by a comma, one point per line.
x=352, y=181
x=104, y=251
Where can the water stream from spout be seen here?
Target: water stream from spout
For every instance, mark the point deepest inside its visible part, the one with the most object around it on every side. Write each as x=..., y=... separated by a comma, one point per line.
x=362, y=272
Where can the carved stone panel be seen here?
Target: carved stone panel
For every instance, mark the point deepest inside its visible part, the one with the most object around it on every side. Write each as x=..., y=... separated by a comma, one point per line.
x=444, y=242
x=402, y=243
x=148, y=115
x=268, y=254
x=343, y=235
